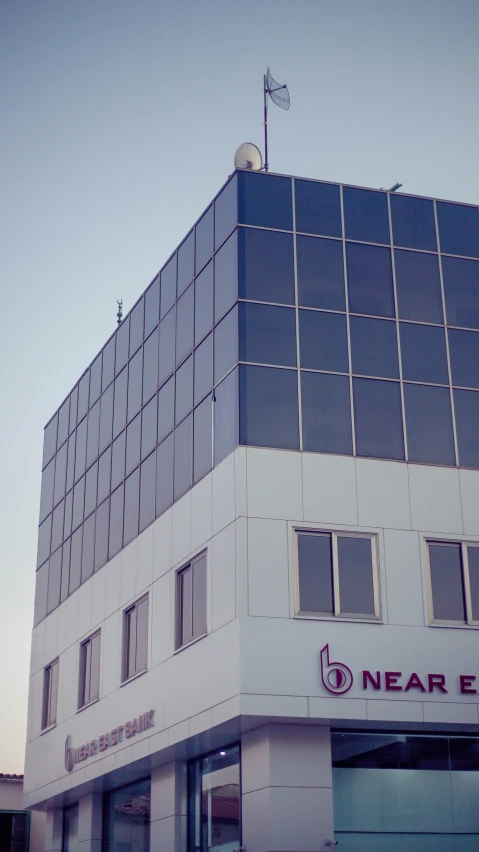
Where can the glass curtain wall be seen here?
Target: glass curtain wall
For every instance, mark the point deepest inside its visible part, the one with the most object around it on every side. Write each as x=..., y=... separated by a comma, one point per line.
x=126, y=818
x=70, y=829
x=214, y=814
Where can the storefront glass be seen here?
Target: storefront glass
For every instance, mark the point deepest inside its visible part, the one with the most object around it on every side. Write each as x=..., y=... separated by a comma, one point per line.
x=70, y=829
x=127, y=818
x=214, y=813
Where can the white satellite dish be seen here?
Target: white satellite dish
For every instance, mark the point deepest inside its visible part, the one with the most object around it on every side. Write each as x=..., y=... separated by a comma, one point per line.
x=248, y=156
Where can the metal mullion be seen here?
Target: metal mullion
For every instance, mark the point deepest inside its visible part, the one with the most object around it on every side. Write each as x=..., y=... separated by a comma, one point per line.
x=466, y=582
x=87, y=672
x=348, y=331
x=446, y=335
x=398, y=336
x=336, y=594
x=296, y=310
x=375, y=568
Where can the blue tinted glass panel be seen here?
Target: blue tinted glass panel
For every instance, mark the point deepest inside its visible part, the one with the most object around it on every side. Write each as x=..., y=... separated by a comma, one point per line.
x=466, y=405
x=88, y=548
x=65, y=570
x=63, y=420
x=374, y=350
x=266, y=266
x=108, y=368
x=60, y=474
x=68, y=514
x=101, y=534
x=75, y=560
x=226, y=211
x=370, y=280
x=147, y=491
x=366, y=215
x=136, y=326
x=203, y=369
x=184, y=390
x=267, y=334
x=464, y=351
x=57, y=526
x=78, y=503
x=378, y=420
x=226, y=276
x=133, y=441
x=44, y=538
x=150, y=366
x=413, y=222
x=265, y=200
x=46, y=498
x=54, y=580
x=458, y=229
x=132, y=507
x=119, y=407
x=164, y=475
x=226, y=416
x=115, y=540
x=429, y=424
x=320, y=273
x=186, y=263
x=166, y=409
x=168, y=287
x=323, y=341
x=183, y=466
x=122, y=345
x=226, y=344
x=184, y=325
x=269, y=407
x=166, y=357
x=106, y=418
x=91, y=478
x=71, y=461
x=73, y=412
x=202, y=439
x=418, y=286
x=104, y=474
x=95, y=380
x=135, y=371
x=80, y=451
x=152, y=306
x=461, y=290
x=149, y=426
x=93, y=434
x=204, y=240
x=423, y=353
x=326, y=410
x=204, y=303
x=318, y=208
x=83, y=391
x=118, y=460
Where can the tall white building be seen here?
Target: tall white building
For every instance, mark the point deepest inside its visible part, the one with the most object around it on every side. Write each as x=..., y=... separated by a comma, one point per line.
x=257, y=591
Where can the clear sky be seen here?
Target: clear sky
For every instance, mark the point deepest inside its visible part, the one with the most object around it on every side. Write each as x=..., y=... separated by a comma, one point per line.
x=119, y=122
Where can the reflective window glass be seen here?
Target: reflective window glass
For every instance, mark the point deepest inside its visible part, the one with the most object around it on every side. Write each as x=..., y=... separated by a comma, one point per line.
x=95, y=379
x=370, y=281
x=132, y=507
x=184, y=390
x=88, y=548
x=374, y=350
x=378, y=420
x=135, y=369
x=473, y=563
x=73, y=408
x=60, y=475
x=320, y=273
x=63, y=420
x=226, y=344
x=202, y=439
x=184, y=325
x=118, y=460
x=315, y=573
x=214, y=815
x=127, y=817
x=203, y=369
x=150, y=366
x=166, y=409
x=152, y=306
x=75, y=560
x=46, y=498
x=204, y=240
x=326, y=409
x=108, y=366
x=464, y=351
x=83, y=391
x=91, y=479
x=267, y=334
x=50, y=440
x=266, y=266
x=80, y=449
x=122, y=345
x=41, y=591
x=102, y=534
x=137, y=326
x=323, y=341
x=78, y=503
x=204, y=303
x=119, y=406
x=166, y=358
x=466, y=406
x=366, y=215
x=183, y=465
x=430, y=436
x=356, y=589
x=93, y=433
x=265, y=200
x=133, y=441
x=168, y=287
x=67, y=527
x=418, y=286
x=106, y=418
x=226, y=276
x=147, y=491
x=164, y=475
x=445, y=565
x=413, y=223
x=226, y=211
x=57, y=527
x=65, y=581
x=458, y=229
x=115, y=538
x=44, y=538
x=461, y=291
x=149, y=425
x=423, y=353
x=269, y=407
x=226, y=416
x=186, y=263
x=318, y=208
x=70, y=461
x=104, y=473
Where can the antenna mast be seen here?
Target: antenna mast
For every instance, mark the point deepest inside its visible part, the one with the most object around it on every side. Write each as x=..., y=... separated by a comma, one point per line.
x=280, y=96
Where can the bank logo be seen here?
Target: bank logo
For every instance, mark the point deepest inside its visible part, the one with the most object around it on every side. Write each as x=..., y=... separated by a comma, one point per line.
x=69, y=759
x=336, y=677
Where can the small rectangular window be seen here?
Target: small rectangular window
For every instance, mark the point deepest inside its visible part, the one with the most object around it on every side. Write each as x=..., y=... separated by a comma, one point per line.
x=191, y=601
x=337, y=575
x=135, y=638
x=50, y=694
x=454, y=582
x=89, y=687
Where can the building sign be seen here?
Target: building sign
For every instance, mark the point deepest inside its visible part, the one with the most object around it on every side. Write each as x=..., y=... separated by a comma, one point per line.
x=108, y=740
x=337, y=678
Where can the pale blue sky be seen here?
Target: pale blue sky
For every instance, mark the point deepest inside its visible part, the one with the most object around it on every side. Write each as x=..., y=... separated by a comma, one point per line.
x=120, y=119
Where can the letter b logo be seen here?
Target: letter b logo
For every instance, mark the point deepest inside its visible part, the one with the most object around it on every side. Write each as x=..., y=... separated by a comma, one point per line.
x=336, y=677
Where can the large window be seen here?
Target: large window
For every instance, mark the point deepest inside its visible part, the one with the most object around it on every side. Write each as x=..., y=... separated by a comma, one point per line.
x=50, y=694
x=337, y=575
x=89, y=687
x=454, y=582
x=135, y=638
x=191, y=601
x=14, y=831
x=214, y=808
x=126, y=818
x=70, y=829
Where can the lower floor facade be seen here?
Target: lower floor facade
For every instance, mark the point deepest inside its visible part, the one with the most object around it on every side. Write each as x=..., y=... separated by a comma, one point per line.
x=285, y=787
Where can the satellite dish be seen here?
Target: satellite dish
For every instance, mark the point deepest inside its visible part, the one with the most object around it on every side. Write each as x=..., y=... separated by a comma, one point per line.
x=248, y=156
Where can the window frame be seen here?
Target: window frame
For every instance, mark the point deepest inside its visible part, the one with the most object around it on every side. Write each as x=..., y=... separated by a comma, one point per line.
x=82, y=678
x=333, y=535
x=179, y=609
x=464, y=546
x=47, y=710
x=126, y=674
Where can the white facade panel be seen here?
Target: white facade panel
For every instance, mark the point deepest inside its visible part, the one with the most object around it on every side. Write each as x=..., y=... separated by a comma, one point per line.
x=383, y=494
x=329, y=489
x=274, y=484
x=435, y=499
x=268, y=574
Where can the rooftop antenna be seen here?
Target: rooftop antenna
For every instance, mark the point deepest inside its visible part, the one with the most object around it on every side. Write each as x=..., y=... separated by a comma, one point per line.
x=248, y=156
x=393, y=188
x=280, y=96
x=119, y=315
